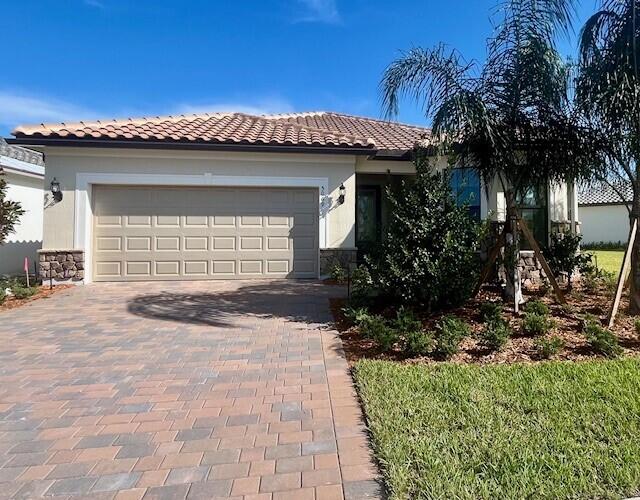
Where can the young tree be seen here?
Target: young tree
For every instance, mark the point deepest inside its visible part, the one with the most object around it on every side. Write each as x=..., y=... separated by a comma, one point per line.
x=10, y=211
x=510, y=118
x=608, y=92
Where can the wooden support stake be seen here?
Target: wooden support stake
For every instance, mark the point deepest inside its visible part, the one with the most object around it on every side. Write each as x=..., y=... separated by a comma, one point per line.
x=547, y=270
x=486, y=270
x=624, y=270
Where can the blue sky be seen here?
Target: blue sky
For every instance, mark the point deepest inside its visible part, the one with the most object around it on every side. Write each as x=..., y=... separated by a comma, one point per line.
x=84, y=59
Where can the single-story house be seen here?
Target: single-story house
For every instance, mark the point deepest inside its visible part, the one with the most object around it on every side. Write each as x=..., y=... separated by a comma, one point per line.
x=231, y=195
x=604, y=214
x=23, y=171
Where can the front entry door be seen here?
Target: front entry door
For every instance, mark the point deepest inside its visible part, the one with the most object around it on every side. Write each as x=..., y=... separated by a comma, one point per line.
x=368, y=218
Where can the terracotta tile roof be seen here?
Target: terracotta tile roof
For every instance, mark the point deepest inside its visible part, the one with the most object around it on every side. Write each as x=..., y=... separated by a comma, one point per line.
x=389, y=136
x=318, y=129
x=604, y=194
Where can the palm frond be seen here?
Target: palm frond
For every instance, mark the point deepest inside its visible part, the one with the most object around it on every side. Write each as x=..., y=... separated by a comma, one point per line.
x=428, y=76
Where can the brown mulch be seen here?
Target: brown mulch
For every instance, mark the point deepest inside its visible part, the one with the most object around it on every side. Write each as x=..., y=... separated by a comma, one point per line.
x=43, y=292
x=520, y=348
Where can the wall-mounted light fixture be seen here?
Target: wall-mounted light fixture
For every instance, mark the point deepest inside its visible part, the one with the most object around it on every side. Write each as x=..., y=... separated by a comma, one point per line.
x=55, y=190
x=342, y=190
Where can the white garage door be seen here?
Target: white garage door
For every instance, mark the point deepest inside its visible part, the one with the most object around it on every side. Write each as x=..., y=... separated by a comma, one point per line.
x=161, y=233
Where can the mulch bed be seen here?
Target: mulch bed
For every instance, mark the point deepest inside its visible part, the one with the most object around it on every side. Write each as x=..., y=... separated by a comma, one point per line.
x=520, y=347
x=43, y=292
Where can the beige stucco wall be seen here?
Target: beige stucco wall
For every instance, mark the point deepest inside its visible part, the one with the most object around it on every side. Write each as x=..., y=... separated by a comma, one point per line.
x=27, y=238
x=607, y=223
x=65, y=163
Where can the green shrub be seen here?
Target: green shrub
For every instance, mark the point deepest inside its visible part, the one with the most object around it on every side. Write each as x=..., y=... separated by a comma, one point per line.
x=370, y=325
x=429, y=256
x=592, y=279
x=406, y=321
x=537, y=307
x=491, y=311
x=608, y=279
x=600, y=339
x=636, y=325
x=564, y=256
x=376, y=328
x=495, y=335
x=362, y=290
x=22, y=292
x=548, y=346
x=449, y=333
x=3, y=295
x=338, y=273
x=418, y=342
x=536, y=324
x=355, y=315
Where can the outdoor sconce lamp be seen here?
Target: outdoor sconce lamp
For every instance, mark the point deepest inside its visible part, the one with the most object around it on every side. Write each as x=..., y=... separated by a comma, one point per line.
x=55, y=190
x=342, y=191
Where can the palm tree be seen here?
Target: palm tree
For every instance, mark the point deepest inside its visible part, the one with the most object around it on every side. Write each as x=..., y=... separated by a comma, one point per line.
x=608, y=92
x=509, y=118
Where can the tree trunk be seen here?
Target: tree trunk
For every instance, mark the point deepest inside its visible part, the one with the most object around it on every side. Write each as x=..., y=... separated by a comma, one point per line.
x=634, y=278
x=511, y=257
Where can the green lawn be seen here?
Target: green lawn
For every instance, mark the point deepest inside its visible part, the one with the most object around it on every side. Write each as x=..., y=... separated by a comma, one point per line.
x=551, y=430
x=609, y=260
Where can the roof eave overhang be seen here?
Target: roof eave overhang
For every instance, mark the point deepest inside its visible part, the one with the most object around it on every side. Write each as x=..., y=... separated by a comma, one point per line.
x=605, y=204
x=393, y=155
x=190, y=146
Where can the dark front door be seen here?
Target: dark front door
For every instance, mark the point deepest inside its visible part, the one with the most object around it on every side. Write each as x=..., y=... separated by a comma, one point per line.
x=368, y=218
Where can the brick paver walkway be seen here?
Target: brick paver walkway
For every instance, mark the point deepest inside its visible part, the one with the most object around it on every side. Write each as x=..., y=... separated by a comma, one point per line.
x=180, y=390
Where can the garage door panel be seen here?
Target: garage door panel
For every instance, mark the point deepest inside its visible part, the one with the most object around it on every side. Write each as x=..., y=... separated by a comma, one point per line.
x=138, y=243
x=223, y=221
x=222, y=267
x=275, y=266
x=196, y=268
x=278, y=242
x=251, y=266
x=167, y=268
x=196, y=243
x=167, y=243
x=108, y=221
x=196, y=221
x=138, y=268
x=250, y=243
x=251, y=221
x=109, y=243
x=137, y=221
x=204, y=233
x=108, y=269
x=279, y=221
x=223, y=243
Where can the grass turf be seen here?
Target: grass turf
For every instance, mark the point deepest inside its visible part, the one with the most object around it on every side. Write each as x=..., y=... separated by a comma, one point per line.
x=550, y=430
x=609, y=260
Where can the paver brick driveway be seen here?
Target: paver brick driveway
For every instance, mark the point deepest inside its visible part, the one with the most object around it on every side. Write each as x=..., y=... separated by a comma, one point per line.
x=180, y=390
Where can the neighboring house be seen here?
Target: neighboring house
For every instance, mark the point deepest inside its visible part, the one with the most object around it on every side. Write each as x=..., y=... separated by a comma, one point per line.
x=24, y=173
x=603, y=214
x=231, y=195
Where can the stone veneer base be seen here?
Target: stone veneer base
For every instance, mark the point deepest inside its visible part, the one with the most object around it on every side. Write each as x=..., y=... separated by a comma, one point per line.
x=61, y=265
x=344, y=257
